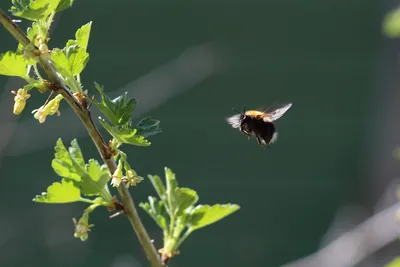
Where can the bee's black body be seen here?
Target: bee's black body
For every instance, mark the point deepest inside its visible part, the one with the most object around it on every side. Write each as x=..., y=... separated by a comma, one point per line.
x=258, y=123
x=263, y=130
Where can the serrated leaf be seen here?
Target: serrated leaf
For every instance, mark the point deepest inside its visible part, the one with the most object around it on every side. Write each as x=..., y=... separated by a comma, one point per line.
x=12, y=64
x=60, y=62
x=172, y=184
x=91, y=178
x=204, y=215
x=70, y=43
x=77, y=59
x=158, y=186
x=65, y=165
x=31, y=33
x=76, y=153
x=63, y=192
x=64, y=4
x=119, y=110
x=155, y=209
x=125, y=134
x=99, y=177
x=82, y=35
x=186, y=197
x=33, y=9
x=148, y=126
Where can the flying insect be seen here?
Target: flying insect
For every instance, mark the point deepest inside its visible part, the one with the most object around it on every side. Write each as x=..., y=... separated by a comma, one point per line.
x=259, y=123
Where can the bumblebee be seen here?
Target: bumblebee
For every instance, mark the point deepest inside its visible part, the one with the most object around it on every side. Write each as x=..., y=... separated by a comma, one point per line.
x=259, y=123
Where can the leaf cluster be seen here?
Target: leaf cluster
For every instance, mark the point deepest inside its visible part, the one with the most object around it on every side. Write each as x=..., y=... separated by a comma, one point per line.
x=78, y=178
x=176, y=210
x=118, y=112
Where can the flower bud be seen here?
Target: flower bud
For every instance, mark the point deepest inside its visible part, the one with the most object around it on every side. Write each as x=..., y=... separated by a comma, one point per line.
x=82, y=227
x=48, y=109
x=117, y=175
x=20, y=100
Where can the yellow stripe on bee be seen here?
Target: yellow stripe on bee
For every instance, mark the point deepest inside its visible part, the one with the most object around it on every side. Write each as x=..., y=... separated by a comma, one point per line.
x=255, y=113
x=258, y=115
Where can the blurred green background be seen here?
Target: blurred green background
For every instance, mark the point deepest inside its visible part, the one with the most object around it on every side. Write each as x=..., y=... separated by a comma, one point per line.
x=319, y=55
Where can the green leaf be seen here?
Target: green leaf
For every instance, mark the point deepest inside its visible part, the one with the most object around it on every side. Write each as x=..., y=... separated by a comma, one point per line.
x=71, y=62
x=99, y=177
x=186, y=197
x=148, y=126
x=394, y=263
x=31, y=33
x=158, y=186
x=204, y=215
x=70, y=43
x=82, y=35
x=63, y=192
x=65, y=165
x=77, y=59
x=60, y=62
x=172, y=184
x=155, y=209
x=91, y=178
x=12, y=64
x=119, y=110
x=391, y=23
x=64, y=4
x=33, y=9
x=125, y=134
x=76, y=153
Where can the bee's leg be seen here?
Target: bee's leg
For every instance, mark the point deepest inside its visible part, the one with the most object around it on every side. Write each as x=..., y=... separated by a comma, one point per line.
x=259, y=140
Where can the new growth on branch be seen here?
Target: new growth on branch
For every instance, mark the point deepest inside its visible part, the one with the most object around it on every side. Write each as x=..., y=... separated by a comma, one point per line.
x=57, y=73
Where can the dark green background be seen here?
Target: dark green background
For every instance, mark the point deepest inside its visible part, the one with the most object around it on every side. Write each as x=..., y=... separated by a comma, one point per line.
x=320, y=55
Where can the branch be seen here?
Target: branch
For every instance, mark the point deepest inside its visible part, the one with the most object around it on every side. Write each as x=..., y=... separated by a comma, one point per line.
x=84, y=116
x=353, y=246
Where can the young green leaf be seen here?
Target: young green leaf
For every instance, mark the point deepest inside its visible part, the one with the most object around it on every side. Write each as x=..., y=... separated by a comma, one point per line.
x=99, y=177
x=64, y=4
x=91, y=178
x=204, y=215
x=119, y=110
x=158, y=186
x=172, y=184
x=12, y=64
x=33, y=9
x=82, y=35
x=77, y=59
x=60, y=62
x=125, y=134
x=31, y=33
x=155, y=209
x=65, y=164
x=148, y=126
x=186, y=197
x=63, y=192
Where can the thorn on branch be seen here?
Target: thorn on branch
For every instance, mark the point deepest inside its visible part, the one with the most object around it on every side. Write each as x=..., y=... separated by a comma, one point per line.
x=116, y=214
x=116, y=206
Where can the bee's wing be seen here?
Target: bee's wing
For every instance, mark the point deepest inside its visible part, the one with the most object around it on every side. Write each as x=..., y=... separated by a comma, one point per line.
x=277, y=113
x=234, y=120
